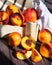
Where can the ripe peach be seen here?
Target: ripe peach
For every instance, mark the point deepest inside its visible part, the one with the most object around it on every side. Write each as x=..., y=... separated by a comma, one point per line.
x=44, y=36
x=46, y=50
x=16, y=19
x=4, y=17
x=36, y=57
x=23, y=54
x=27, y=43
x=14, y=39
x=30, y=15
x=12, y=9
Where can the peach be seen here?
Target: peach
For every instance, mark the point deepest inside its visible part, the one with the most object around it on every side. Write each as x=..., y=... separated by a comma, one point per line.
x=46, y=50
x=36, y=57
x=1, y=23
x=4, y=17
x=27, y=43
x=16, y=19
x=44, y=36
x=12, y=9
x=14, y=39
x=30, y=15
x=23, y=54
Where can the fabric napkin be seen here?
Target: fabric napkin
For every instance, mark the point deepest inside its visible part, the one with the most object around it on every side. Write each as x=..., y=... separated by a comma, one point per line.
x=46, y=17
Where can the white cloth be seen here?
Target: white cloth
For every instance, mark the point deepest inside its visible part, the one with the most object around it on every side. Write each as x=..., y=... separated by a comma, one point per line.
x=46, y=17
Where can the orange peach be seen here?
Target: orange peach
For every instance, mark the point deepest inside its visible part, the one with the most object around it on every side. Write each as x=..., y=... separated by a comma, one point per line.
x=44, y=36
x=23, y=54
x=4, y=17
x=27, y=43
x=12, y=9
x=46, y=50
x=16, y=19
x=30, y=15
x=36, y=57
x=14, y=39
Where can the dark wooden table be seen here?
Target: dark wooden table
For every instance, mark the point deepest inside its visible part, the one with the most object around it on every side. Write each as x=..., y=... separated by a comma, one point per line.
x=7, y=58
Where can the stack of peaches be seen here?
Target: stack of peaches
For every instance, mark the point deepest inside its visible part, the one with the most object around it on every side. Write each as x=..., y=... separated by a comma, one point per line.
x=14, y=16
x=45, y=37
x=29, y=48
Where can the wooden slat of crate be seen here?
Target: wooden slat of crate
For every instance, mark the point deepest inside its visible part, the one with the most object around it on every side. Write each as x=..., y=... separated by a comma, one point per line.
x=19, y=3
x=6, y=29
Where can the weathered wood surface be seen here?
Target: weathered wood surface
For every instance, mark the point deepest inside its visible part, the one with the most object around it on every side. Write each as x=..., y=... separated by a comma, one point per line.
x=7, y=58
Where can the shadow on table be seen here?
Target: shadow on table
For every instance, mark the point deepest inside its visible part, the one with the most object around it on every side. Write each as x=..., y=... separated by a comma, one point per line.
x=4, y=54
x=4, y=60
